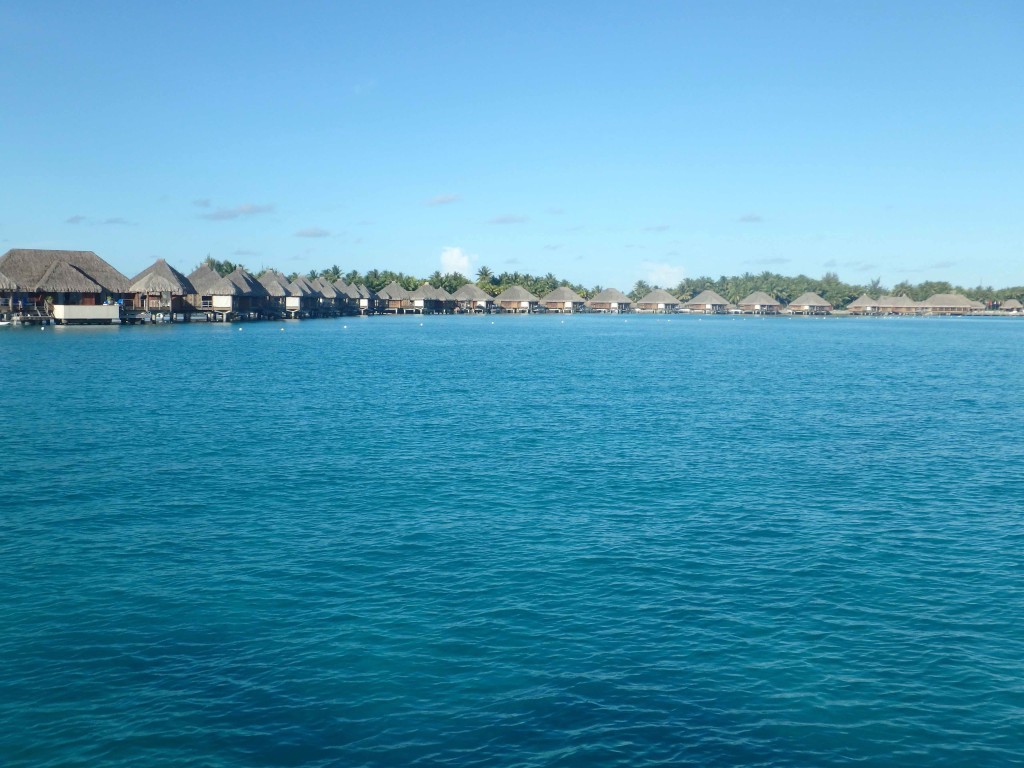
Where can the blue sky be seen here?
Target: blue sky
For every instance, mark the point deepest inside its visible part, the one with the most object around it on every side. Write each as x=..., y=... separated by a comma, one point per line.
x=605, y=142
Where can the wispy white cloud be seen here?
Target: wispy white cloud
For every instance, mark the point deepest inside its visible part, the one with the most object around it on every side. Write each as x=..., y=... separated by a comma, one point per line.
x=443, y=200
x=76, y=219
x=239, y=212
x=203, y=202
x=454, y=259
x=313, y=232
x=508, y=219
x=750, y=218
x=117, y=220
x=663, y=273
x=552, y=247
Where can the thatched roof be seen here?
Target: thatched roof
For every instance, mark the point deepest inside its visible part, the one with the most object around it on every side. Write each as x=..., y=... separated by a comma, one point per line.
x=759, y=299
x=425, y=291
x=325, y=288
x=611, y=296
x=275, y=284
x=471, y=292
x=659, y=296
x=864, y=302
x=947, y=300
x=364, y=292
x=238, y=283
x=704, y=298
x=61, y=277
x=6, y=284
x=1008, y=304
x=516, y=293
x=809, y=299
x=393, y=292
x=901, y=302
x=561, y=295
x=161, y=277
x=26, y=267
x=203, y=278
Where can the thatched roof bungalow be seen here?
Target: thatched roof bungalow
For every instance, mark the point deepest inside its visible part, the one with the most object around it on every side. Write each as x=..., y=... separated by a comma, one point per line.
x=659, y=302
x=898, y=305
x=863, y=305
x=809, y=303
x=73, y=286
x=430, y=300
x=393, y=299
x=760, y=303
x=611, y=301
x=8, y=289
x=563, y=300
x=516, y=300
x=471, y=298
x=160, y=292
x=948, y=304
x=1012, y=306
x=708, y=303
x=282, y=301
x=237, y=295
x=331, y=300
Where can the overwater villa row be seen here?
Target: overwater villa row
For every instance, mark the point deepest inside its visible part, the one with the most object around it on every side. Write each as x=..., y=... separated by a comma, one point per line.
x=68, y=287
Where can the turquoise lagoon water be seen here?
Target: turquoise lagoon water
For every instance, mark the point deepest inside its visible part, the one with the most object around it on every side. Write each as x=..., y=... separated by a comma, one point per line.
x=513, y=541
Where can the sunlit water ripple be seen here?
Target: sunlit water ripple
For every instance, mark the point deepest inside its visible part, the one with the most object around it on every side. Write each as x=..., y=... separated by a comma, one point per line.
x=514, y=541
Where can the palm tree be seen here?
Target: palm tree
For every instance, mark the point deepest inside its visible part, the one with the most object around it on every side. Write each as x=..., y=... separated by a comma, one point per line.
x=484, y=275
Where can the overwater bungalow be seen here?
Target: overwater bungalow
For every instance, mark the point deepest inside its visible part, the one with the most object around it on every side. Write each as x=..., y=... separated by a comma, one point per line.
x=658, y=302
x=393, y=299
x=948, y=304
x=898, y=305
x=8, y=290
x=563, y=300
x=1010, y=306
x=760, y=303
x=809, y=303
x=707, y=303
x=70, y=287
x=331, y=300
x=864, y=305
x=159, y=294
x=472, y=299
x=516, y=300
x=369, y=302
x=610, y=301
x=281, y=301
x=428, y=300
x=201, y=302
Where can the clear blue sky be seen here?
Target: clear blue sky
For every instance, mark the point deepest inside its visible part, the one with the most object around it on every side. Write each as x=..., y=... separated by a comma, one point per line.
x=606, y=142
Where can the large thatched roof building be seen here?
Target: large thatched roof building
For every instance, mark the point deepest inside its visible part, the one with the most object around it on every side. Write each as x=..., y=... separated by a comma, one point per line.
x=760, y=303
x=658, y=301
x=945, y=304
x=707, y=302
x=563, y=300
x=160, y=277
x=41, y=271
x=610, y=300
x=809, y=303
x=516, y=300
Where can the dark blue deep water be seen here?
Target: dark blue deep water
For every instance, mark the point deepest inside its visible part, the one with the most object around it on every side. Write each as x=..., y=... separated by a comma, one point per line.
x=513, y=541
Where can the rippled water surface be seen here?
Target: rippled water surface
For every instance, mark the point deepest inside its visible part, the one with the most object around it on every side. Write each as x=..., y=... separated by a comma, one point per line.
x=513, y=541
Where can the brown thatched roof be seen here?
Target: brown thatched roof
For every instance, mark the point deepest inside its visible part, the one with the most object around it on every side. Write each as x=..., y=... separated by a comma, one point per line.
x=947, y=301
x=1011, y=304
x=6, y=284
x=760, y=299
x=275, y=284
x=61, y=277
x=809, y=299
x=864, y=302
x=659, y=296
x=516, y=293
x=704, y=298
x=561, y=295
x=238, y=283
x=470, y=292
x=611, y=296
x=393, y=292
x=325, y=288
x=204, y=278
x=161, y=277
x=26, y=267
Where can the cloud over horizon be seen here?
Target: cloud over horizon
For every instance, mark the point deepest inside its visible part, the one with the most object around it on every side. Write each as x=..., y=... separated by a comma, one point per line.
x=76, y=219
x=241, y=211
x=313, y=232
x=663, y=273
x=454, y=259
x=442, y=200
x=750, y=218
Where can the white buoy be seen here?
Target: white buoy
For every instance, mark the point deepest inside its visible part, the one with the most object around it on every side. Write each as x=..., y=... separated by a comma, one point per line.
x=282, y=329
x=344, y=326
x=239, y=330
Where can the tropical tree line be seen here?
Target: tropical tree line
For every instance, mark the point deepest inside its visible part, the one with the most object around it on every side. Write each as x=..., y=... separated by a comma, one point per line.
x=733, y=288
